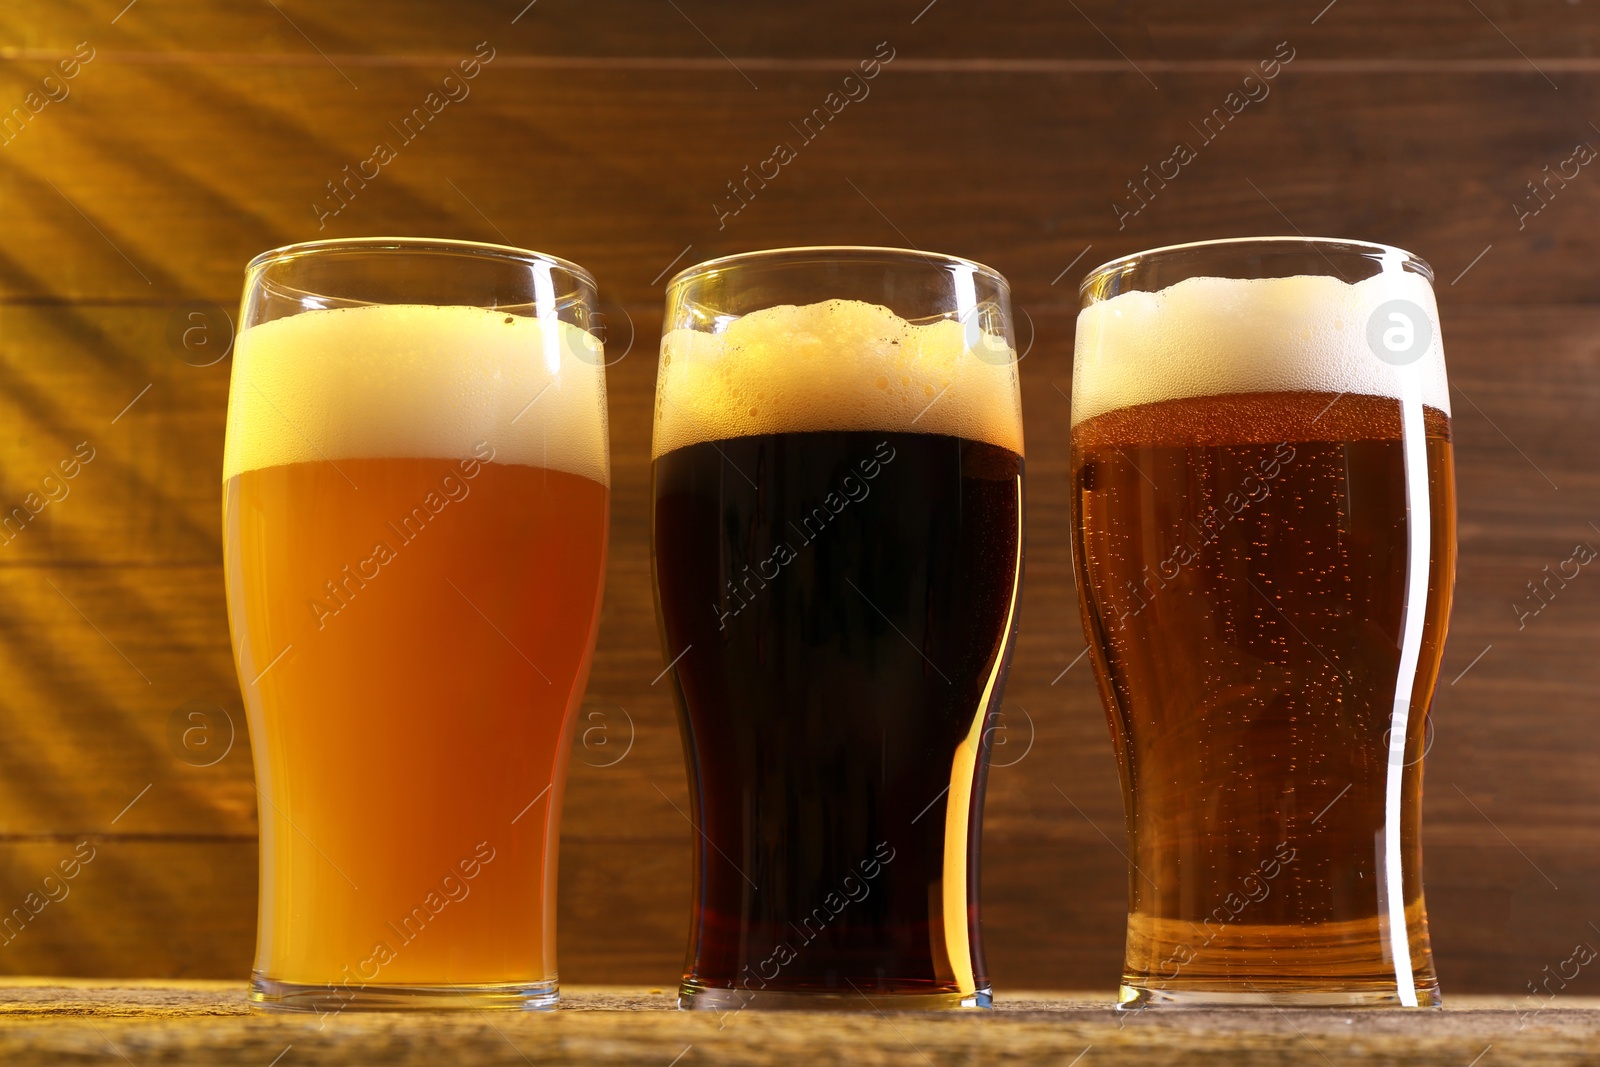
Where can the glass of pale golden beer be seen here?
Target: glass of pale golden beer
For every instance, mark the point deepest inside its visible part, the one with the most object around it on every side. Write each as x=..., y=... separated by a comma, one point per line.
x=415, y=495
x=837, y=525
x=1264, y=538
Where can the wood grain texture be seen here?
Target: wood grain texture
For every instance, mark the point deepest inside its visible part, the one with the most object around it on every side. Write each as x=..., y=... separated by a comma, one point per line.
x=201, y=134
x=210, y=1023
x=1155, y=30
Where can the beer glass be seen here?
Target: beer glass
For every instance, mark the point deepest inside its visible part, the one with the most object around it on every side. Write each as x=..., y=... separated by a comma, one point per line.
x=415, y=493
x=1264, y=538
x=837, y=526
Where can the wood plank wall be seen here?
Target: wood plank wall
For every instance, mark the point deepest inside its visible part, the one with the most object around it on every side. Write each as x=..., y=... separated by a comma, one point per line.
x=201, y=133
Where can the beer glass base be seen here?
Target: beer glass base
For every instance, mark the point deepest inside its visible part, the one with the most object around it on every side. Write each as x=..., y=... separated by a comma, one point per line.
x=268, y=994
x=1138, y=998
x=692, y=997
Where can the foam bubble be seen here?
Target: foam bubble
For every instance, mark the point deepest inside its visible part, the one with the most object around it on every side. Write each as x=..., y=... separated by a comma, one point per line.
x=414, y=381
x=835, y=365
x=1214, y=336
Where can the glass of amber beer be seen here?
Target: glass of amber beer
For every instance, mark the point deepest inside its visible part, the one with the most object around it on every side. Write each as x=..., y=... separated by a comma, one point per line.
x=837, y=528
x=415, y=493
x=1264, y=536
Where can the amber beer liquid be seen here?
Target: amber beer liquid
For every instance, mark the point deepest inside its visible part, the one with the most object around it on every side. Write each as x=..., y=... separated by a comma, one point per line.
x=413, y=584
x=1243, y=560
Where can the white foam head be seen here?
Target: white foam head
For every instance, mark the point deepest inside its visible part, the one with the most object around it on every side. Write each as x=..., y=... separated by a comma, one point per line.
x=414, y=381
x=1214, y=336
x=835, y=365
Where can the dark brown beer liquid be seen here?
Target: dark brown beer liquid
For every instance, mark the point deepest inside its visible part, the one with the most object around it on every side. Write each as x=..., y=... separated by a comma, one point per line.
x=839, y=607
x=1244, y=563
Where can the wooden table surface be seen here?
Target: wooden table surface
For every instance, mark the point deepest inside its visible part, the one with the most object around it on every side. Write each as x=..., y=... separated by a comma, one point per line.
x=65, y=1021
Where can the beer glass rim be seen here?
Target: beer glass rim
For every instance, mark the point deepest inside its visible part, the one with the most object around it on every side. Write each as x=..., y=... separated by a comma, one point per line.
x=799, y=254
x=447, y=246
x=1268, y=244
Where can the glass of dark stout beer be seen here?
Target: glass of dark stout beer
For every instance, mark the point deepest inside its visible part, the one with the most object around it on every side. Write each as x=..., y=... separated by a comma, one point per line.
x=837, y=526
x=1264, y=537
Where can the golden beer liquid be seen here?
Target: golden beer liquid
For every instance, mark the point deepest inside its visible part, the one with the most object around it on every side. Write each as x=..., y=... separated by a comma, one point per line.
x=435, y=620
x=1244, y=564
